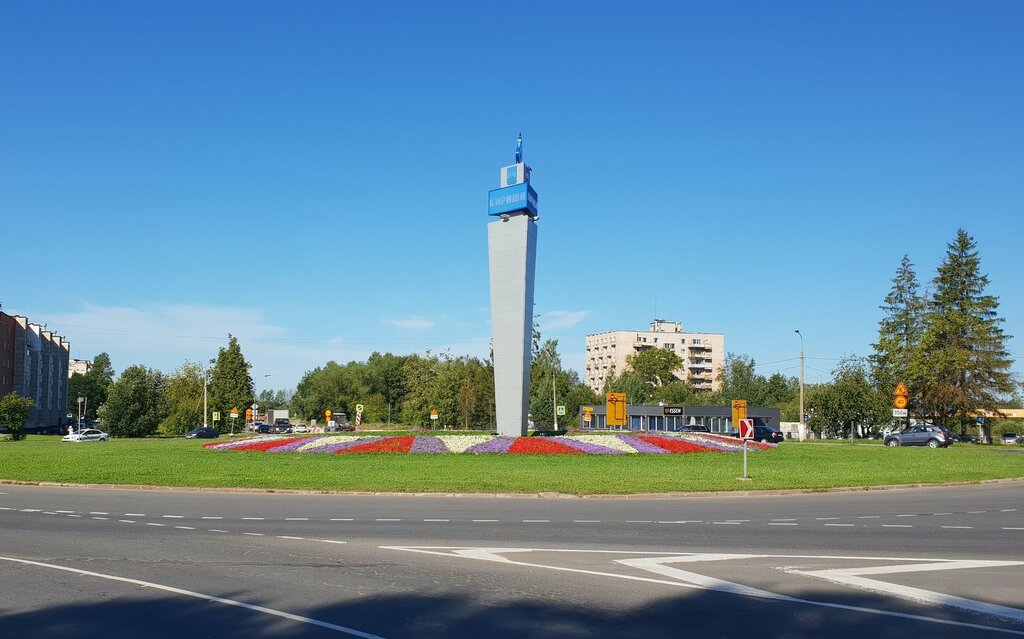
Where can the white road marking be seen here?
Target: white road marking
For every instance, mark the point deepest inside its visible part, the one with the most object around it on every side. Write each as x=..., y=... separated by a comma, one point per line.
x=252, y=518
x=639, y=521
x=785, y=519
x=296, y=518
x=103, y=518
x=975, y=512
x=906, y=515
x=959, y=527
x=36, y=510
x=730, y=523
x=586, y=521
x=173, y=516
x=151, y=523
x=847, y=525
x=341, y=519
x=217, y=531
x=185, y=527
x=387, y=519
x=96, y=512
x=896, y=526
x=254, y=534
x=853, y=578
x=127, y=521
x=63, y=512
x=5, y=508
x=332, y=541
x=198, y=595
x=484, y=521
x=941, y=514
x=132, y=514
x=76, y=515
x=1011, y=528
x=288, y=537
x=686, y=579
x=437, y=520
x=683, y=521
x=869, y=517
x=211, y=518
x=536, y=521
x=825, y=518
x=781, y=523
x=46, y=512
x=1008, y=510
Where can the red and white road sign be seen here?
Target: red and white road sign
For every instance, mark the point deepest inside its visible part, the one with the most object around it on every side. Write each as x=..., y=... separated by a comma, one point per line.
x=746, y=429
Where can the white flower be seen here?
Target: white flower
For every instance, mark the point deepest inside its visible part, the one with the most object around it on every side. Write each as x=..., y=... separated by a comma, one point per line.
x=462, y=443
x=608, y=441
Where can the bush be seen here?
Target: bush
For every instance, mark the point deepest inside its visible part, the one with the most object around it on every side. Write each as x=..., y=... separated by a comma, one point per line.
x=14, y=412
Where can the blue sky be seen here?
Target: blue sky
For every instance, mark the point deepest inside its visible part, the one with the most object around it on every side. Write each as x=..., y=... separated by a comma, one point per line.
x=312, y=176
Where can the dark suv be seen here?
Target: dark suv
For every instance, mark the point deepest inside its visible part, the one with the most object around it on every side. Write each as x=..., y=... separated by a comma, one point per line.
x=930, y=436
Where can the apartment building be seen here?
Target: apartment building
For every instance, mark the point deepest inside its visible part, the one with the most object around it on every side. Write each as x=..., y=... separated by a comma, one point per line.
x=81, y=366
x=41, y=372
x=703, y=354
x=7, y=326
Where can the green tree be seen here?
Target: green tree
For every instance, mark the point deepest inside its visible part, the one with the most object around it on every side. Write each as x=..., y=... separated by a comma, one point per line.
x=92, y=386
x=850, y=404
x=656, y=366
x=230, y=384
x=135, y=403
x=183, y=397
x=14, y=412
x=385, y=376
x=963, y=362
x=899, y=332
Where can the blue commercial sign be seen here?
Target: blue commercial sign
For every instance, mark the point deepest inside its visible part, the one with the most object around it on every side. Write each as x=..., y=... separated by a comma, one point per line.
x=512, y=199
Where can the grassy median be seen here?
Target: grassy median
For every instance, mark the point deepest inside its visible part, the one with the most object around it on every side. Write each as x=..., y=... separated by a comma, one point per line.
x=167, y=462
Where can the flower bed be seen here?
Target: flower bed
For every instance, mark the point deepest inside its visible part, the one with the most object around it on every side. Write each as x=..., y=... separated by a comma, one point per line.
x=633, y=443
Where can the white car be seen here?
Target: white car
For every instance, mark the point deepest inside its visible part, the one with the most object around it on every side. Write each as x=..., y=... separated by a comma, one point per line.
x=300, y=428
x=87, y=435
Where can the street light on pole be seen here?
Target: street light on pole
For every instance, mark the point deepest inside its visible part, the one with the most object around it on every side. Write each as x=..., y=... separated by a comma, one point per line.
x=80, y=400
x=803, y=426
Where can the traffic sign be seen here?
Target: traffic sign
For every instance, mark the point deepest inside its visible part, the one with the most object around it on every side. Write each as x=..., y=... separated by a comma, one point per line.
x=616, y=408
x=561, y=410
x=739, y=410
x=328, y=413
x=901, y=390
x=433, y=414
x=216, y=416
x=359, y=408
x=899, y=412
x=746, y=429
x=899, y=401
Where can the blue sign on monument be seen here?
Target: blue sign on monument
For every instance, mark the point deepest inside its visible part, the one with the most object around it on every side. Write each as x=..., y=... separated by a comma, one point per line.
x=520, y=198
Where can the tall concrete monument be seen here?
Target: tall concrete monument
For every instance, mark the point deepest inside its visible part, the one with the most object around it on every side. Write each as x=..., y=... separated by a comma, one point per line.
x=512, y=252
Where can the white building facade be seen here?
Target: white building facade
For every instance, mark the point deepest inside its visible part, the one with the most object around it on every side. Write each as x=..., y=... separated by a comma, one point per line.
x=703, y=354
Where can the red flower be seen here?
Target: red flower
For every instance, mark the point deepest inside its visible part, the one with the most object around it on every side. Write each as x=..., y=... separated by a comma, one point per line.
x=673, y=445
x=268, y=444
x=541, y=446
x=386, y=445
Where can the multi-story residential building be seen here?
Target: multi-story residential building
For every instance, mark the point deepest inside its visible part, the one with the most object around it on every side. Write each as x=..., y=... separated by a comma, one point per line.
x=82, y=366
x=41, y=372
x=703, y=354
x=7, y=325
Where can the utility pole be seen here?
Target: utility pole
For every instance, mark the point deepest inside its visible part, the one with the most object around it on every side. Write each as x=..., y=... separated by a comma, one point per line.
x=803, y=426
x=205, y=379
x=554, y=398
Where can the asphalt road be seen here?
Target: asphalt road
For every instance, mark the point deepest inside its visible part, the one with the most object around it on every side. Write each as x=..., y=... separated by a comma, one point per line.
x=935, y=562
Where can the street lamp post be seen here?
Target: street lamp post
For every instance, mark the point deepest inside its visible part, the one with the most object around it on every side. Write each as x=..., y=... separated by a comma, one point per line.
x=80, y=400
x=803, y=426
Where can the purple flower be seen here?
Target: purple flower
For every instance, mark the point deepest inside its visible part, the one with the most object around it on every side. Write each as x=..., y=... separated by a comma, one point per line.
x=290, y=447
x=640, y=445
x=428, y=444
x=336, y=446
x=496, y=445
x=593, y=449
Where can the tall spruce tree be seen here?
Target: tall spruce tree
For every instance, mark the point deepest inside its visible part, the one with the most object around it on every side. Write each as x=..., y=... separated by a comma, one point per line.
x=899, y=333
x=230, y=384
x=963, y=361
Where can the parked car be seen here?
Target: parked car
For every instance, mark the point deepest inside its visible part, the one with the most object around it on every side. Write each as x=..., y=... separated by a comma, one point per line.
x=202, y=433
x=261, y=428
x=764, y=434
x=696, y=428
x=87, y=435
x=930, y=436
x=970, y=439
x=1010, y=438
x=280, y=427
x=300, y=428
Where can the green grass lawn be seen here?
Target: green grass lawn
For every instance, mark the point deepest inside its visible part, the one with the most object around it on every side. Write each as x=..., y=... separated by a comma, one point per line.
x=180, y=462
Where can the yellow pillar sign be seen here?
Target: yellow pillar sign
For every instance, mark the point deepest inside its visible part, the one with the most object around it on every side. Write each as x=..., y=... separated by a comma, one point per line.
x=739, y=411
x=899, y=396
x=616, y=409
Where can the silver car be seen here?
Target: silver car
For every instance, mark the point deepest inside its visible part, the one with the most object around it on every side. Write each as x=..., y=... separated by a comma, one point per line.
x=87, y=435
x=930, y=436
